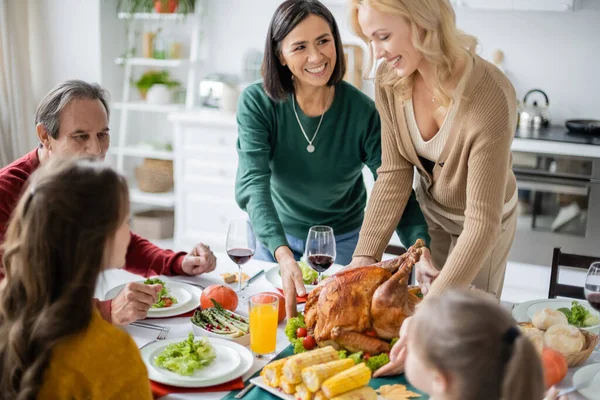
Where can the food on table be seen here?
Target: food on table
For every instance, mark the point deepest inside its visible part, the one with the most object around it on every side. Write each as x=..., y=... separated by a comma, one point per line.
x=347, y=380
x=292, y=369
x=555, y=366
x=281, y=313
x=224, y=295
x=535, y=335
x=547, y=317
x=220, y=321
x=273, y=372
x=315, y=375
x=187, y=356
x=302, y=392
x=580, y=316
x=564, y=338
x=320, y=396
x=287, y=386
x=350, y=304
x=164, y=296
x=231, y=278
x=363, y=393
x=396, y=392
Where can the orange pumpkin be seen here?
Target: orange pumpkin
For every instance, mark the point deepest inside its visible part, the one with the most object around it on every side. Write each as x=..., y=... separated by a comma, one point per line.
x=555, y=366
x=224, y=295
x=281, y=315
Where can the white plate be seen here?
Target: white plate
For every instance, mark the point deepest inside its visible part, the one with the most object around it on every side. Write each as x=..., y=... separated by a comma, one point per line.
x=274, y=278
x=232, y=361
x=592, y=392
x=524, y=312
x=178, y=289
x=258, y=381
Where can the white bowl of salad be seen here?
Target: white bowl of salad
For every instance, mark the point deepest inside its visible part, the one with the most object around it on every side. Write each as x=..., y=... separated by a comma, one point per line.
x=309, y=275
x=221, y=323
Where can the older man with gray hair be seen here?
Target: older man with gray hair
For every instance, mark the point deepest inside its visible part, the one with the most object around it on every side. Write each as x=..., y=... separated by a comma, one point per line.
x=72, y=120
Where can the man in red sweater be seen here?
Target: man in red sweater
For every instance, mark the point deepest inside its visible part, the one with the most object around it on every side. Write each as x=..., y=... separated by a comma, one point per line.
x=72, y=120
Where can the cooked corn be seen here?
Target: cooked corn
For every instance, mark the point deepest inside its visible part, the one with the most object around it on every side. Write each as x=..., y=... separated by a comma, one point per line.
x=272, y=372
x=314, y=376
x=302, y=392
x=347, y=380
x=287, y=386
x=292, y=369
x=363, y=393
x=320, y=396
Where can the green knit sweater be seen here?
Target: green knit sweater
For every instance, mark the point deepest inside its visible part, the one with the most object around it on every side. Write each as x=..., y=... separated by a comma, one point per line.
x=286, y=189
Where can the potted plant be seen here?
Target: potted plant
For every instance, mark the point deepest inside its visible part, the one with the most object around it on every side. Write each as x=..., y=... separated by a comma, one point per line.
x=160, y=6
x=150, y=78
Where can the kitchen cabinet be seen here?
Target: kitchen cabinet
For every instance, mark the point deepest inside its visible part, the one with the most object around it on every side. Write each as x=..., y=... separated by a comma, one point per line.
x=516, y=5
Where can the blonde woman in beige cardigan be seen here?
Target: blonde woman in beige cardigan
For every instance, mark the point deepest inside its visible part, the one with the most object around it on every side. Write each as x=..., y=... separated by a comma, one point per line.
x=450, y=116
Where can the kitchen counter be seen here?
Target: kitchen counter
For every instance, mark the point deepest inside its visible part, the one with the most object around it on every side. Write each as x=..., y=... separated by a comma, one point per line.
x=557, y=140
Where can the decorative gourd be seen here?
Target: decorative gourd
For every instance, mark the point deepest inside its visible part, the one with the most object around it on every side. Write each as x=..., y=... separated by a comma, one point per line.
x=555, y=366
x=281, y=316
x=224, y=295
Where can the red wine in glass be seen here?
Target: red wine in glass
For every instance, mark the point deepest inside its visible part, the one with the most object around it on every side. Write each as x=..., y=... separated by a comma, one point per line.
x=592, y=286
x=320, y=262
x=240, y=256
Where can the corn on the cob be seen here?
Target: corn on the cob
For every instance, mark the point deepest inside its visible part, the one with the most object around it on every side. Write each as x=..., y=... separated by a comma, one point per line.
x=273, y=372
x=287, y=386
x=302, y=392
x=320, y=396
x=363, y=393
x=347, y=380
x=314, y=376
x=292, y=369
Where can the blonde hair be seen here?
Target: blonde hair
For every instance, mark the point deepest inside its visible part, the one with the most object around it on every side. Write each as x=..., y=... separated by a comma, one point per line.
x=434, y=35
x=464, y=334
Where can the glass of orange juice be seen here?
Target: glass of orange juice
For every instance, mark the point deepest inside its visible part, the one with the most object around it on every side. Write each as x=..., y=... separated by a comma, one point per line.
x=264, y=310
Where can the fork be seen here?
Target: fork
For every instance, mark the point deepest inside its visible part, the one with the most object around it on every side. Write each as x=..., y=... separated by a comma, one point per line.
x=162, y=335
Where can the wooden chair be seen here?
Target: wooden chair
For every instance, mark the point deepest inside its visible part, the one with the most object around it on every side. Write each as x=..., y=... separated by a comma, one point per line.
x=560, y=259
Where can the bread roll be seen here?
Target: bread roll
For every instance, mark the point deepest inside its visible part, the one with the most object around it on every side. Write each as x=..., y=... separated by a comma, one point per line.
x=564, y=338
x=536, y=336
x=548, y=317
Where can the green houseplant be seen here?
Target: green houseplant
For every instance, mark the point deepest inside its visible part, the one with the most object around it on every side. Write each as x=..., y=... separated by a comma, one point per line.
x=160, y=6
x=152, y=77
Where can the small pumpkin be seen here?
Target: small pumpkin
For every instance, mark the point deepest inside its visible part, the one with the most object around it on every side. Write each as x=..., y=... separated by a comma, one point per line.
x=224, y=295
x=555, y=366
x=281, y=315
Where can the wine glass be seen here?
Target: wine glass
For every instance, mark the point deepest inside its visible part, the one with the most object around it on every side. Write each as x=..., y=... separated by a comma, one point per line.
x=592, y=287
x=241, y=244
x=320, y=248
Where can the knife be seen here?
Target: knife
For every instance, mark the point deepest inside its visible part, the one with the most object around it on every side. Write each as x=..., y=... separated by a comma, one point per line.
x=244, y=391
x=259, y=273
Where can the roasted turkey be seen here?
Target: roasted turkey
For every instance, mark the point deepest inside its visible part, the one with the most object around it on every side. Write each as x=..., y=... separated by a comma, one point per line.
x=362, y=309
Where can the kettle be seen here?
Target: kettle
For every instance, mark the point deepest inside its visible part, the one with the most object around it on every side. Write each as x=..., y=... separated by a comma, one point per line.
x=533, y=115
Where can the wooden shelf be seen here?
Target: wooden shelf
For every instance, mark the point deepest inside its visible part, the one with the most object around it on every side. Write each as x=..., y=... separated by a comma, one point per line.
x=152, y=62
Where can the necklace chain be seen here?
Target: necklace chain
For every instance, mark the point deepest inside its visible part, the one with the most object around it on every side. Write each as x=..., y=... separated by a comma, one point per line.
x=310, y=148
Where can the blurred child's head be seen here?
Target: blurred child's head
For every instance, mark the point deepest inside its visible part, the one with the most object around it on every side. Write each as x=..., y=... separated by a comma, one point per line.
x=464, y=345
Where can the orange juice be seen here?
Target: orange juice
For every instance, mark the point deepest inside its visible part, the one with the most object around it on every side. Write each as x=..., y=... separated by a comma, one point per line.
x=264, y=311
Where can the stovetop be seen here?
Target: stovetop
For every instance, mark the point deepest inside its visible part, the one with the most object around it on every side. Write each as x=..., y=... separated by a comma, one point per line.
x=558, y=134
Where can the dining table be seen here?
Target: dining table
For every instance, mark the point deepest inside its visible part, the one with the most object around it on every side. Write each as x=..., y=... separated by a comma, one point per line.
x=180, y=327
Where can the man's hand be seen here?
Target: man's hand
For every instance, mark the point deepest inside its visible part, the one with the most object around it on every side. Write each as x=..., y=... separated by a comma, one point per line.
x=200, y=260
x=291, y=277
x=426, y=272
x=397, y=354
x=361, y=261
x=133, y=302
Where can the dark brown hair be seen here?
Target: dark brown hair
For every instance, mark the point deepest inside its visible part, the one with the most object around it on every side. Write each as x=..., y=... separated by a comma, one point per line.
x=57, y=242
x=277, y=78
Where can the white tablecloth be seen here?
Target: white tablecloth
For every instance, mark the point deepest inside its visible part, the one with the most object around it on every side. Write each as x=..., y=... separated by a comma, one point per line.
x=180, y=327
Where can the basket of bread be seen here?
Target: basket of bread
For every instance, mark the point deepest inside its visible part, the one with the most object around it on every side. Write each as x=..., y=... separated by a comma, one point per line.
x=550, y=328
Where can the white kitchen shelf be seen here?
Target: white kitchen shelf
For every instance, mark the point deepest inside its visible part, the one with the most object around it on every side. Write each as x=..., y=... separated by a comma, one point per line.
x=152, y=16
x=152, y=62
x=143, y=106
x=144, y=152
x=155, y=199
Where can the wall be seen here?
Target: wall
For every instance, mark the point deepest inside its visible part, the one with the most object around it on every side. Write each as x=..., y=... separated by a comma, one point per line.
x=558, y=52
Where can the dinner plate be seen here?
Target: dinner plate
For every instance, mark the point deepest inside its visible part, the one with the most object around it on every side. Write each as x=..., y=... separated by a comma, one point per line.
x=258, y=381
x=189, y=295
x=274, y=277
x=232, y=361
x=585, y=374
x=524, y=312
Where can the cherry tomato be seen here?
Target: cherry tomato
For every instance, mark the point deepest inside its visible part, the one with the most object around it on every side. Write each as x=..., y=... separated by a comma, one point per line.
x=366, y=356
x=301, y=332
x=168, y=302
x=309, y=343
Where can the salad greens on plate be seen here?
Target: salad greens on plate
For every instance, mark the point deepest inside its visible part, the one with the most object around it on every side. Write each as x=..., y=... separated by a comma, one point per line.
x=579, y=316
x=309, y=275
x=187, y=356
x=164, y=297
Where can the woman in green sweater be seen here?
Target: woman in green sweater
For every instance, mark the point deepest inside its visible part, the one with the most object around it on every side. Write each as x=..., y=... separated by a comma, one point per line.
x=304, y=137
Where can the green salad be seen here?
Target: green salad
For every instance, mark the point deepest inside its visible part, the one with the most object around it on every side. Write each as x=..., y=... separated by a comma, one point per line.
x=579, y=316
x=185, y=357
x=309, y=275
x=164, y=297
